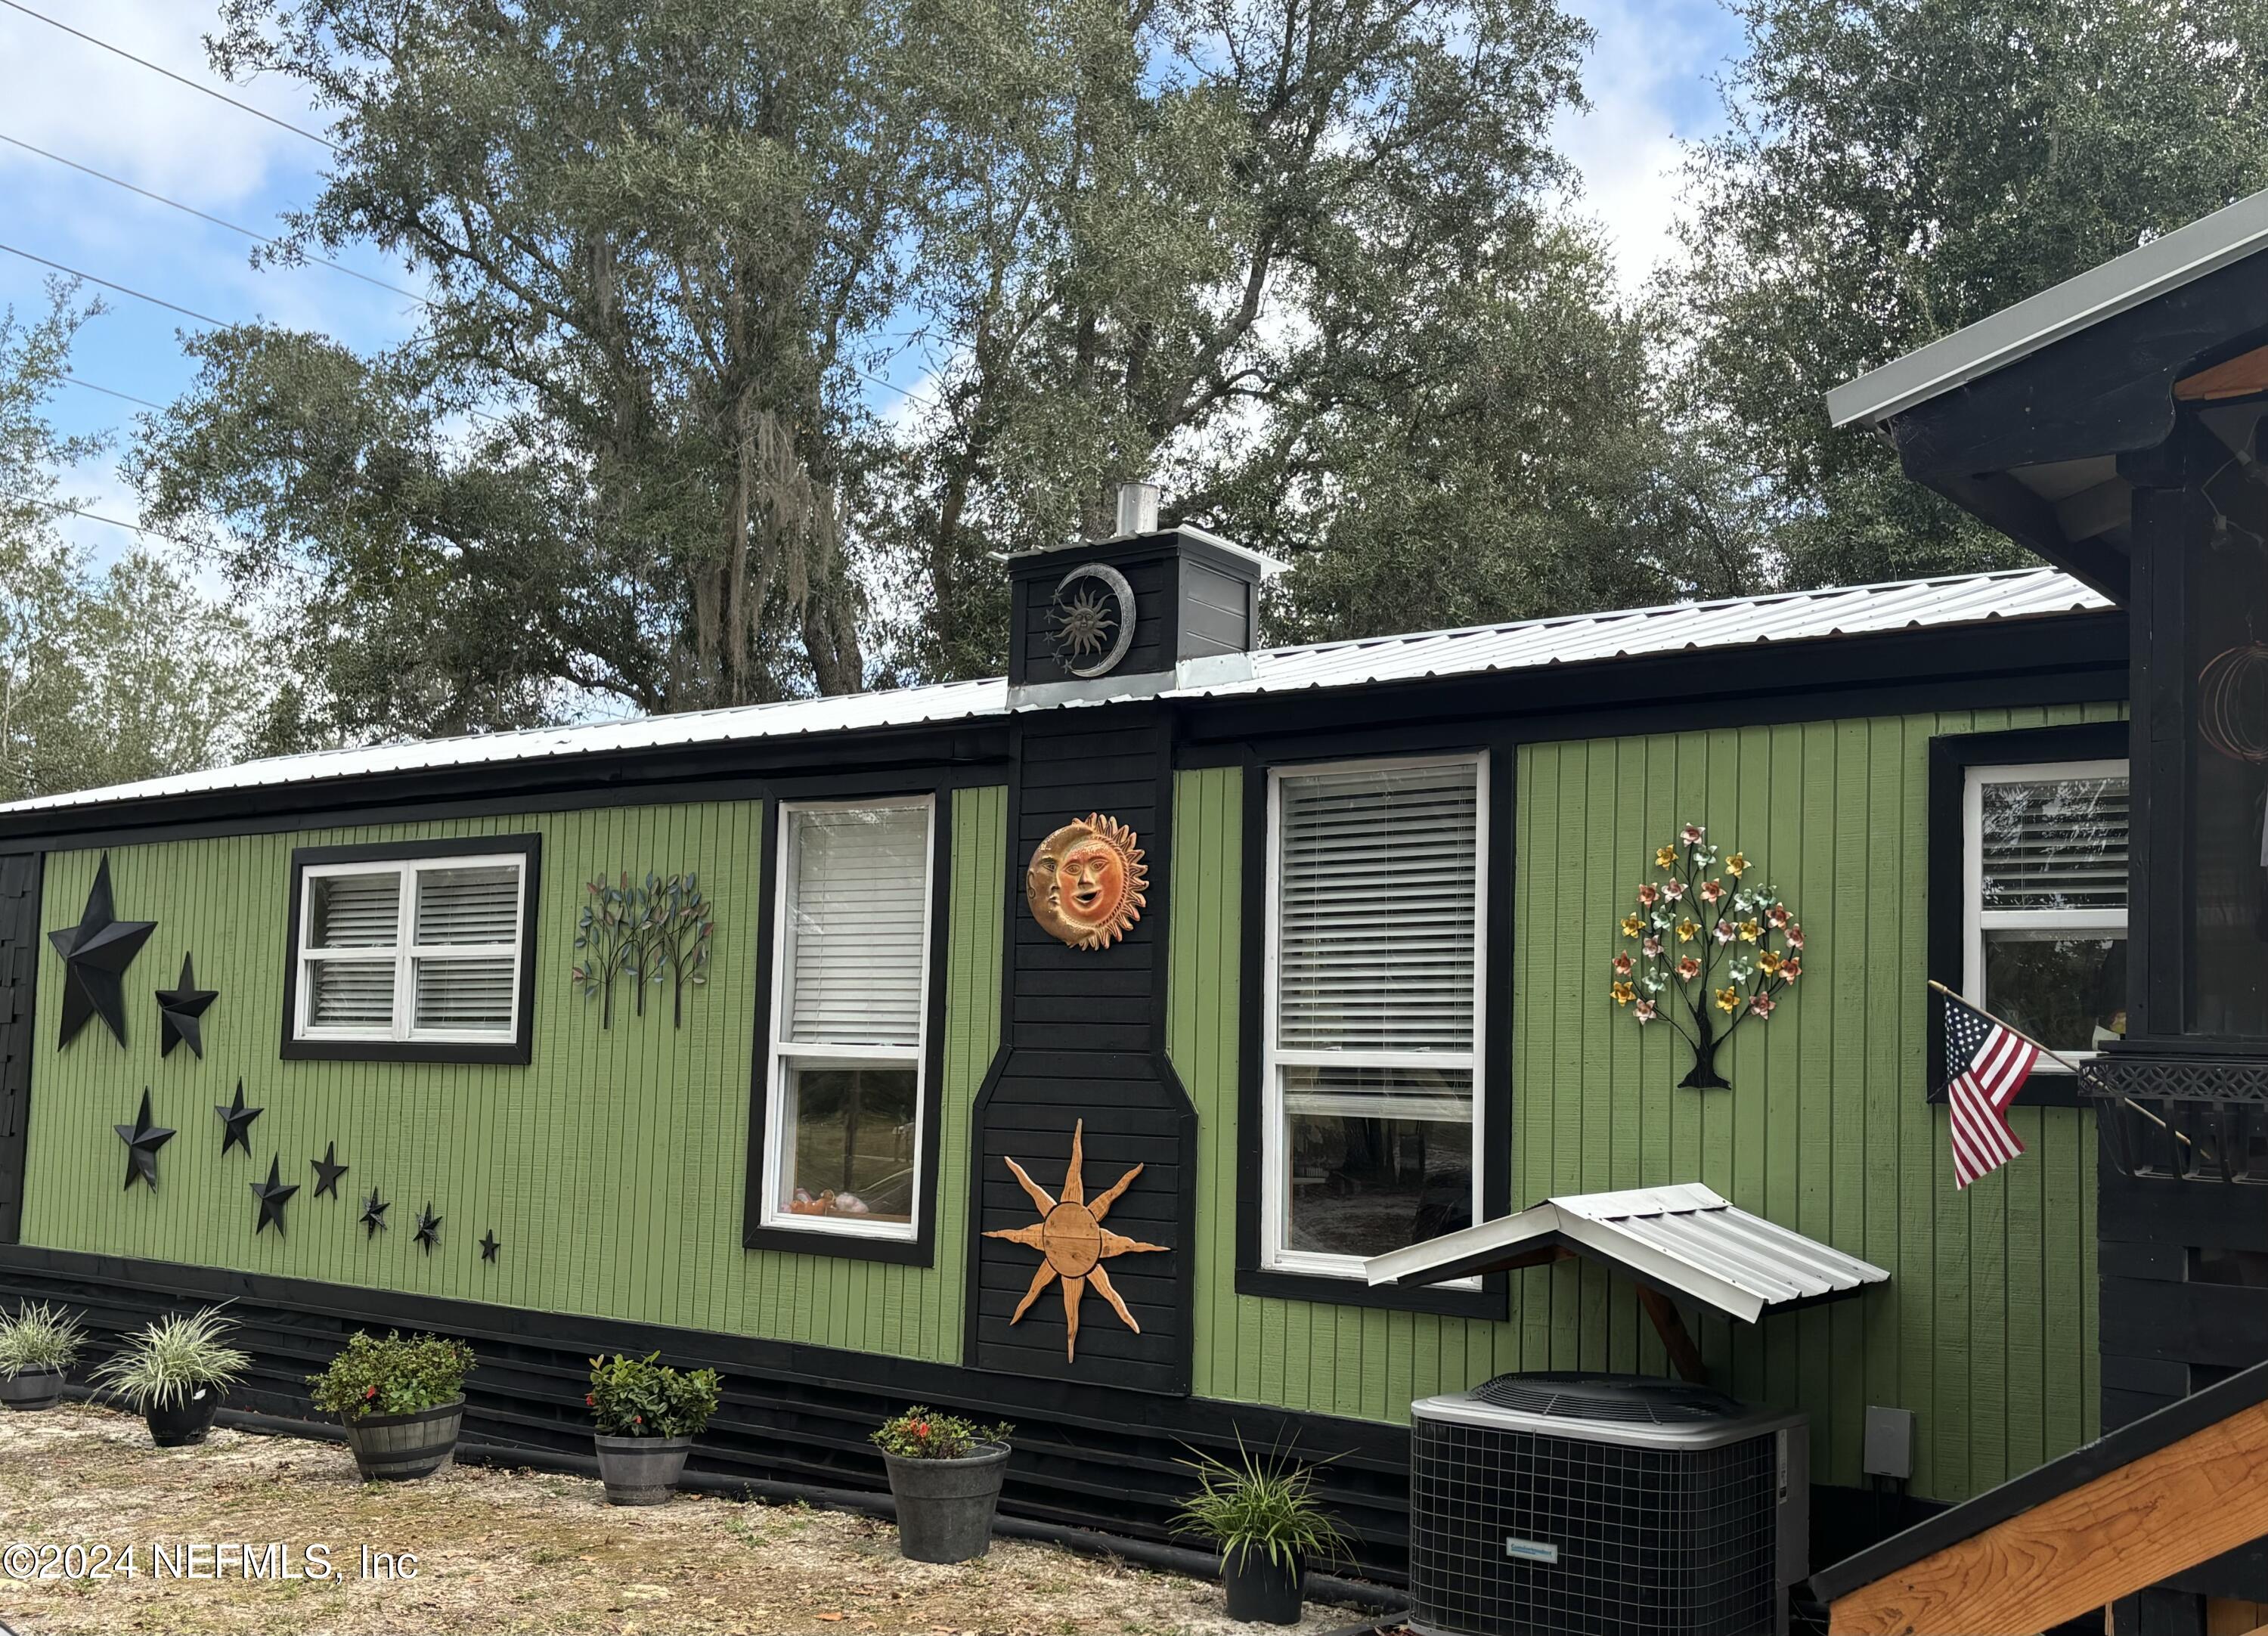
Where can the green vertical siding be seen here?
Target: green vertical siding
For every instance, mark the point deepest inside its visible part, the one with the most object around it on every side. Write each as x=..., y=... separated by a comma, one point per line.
x=612, y=1168
x=1987, y=1327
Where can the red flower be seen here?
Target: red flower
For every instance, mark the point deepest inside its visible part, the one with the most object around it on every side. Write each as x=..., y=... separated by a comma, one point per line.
x=589, y=1400
x=638, y=1419
x=369, y=1392
x=921, y=1428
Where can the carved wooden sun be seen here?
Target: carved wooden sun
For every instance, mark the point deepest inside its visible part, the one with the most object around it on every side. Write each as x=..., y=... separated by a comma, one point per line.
x=1073, y=1242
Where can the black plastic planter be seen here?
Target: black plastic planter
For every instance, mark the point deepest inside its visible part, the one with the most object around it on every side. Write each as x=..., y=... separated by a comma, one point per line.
x=641, y=1470
x=400, y=1447
x=945, y=1507
x=177, y=1425
x=1261, y=1591
x=39, y=1387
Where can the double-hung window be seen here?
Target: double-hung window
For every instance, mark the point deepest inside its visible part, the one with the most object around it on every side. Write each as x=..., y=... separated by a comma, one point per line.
x=412, y=949
x=1373, y=1036
x=850, y=1017
x=2044, y=927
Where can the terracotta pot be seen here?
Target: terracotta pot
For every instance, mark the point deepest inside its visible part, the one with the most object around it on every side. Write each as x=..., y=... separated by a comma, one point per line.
x=641, y=1470
x=402, y=1448
x=39, y=1387
x=945, y=1507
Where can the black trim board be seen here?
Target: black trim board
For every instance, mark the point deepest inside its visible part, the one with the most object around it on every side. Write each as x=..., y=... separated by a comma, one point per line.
x=521, y=1048
x=1950, y=757
x=2082, y=1465
x=1493, y=1298
x=21, y=878
x=921, y=1250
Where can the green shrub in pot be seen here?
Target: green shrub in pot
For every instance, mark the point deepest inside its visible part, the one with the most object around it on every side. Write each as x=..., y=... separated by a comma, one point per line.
x=402, y=1402
x=945, y=1475
x=1265, y=1520
x=37, y=1345
x=648, y=1415
x=174, y=1372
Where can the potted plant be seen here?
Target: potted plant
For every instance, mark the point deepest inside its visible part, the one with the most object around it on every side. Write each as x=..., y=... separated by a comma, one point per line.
x=647, y=1414
x=945, y=1476
x=174, y=1373
x=1265, y=1521
x=402, y=1402
x=37, y=1345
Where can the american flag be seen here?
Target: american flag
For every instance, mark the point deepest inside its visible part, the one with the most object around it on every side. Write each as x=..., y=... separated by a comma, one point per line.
x=1986, y=1064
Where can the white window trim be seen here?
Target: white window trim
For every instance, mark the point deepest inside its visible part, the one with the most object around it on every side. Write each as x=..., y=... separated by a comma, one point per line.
x=1275, y=1256
x=404, y=955
x=781, y=1053
x=1976, y=920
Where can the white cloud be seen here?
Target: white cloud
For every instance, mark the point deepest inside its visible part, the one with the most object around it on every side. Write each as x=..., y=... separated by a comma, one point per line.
x=77, y=99
x=1650, y=58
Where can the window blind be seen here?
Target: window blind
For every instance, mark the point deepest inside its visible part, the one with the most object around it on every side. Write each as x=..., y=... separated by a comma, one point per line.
x=465, y=996
x=356, y=910
x=2054, y=844
x=351, y=993
x=477, y=905
x=1377, y=909
x=855, y=923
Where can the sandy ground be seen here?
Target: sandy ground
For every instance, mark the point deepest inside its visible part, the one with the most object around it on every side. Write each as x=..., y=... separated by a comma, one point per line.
x=508, y=1551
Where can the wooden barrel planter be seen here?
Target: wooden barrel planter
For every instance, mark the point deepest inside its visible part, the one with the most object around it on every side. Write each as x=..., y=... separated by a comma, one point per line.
x=39, y=1387
x=400, y=1447
x=641, y=1470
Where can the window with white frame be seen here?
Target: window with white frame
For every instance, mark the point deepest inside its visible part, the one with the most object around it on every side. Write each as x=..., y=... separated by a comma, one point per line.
x=849, y=1015
x=2044, y=848
x=1373, y=1038
x=409, y=950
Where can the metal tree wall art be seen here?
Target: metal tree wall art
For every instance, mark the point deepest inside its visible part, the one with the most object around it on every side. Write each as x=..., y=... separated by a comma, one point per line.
x=654, y=931
x=1703, y=951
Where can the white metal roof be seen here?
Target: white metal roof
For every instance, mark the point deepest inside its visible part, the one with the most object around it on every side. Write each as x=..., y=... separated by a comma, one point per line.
x=1681, y=1237
x=2181, y=257
x=1804, y=616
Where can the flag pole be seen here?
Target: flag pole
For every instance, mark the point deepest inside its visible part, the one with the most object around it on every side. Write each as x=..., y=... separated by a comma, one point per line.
x=2127, y=1101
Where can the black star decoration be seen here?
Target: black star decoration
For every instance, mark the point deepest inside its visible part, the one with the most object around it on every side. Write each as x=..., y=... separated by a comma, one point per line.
x=273, y=1195
x=374, y=1214
x=96, y=953
x=428, y=1228
x=143, y=1140
x=237, y=1119
x=489, y=1244
x=182, y=1010
x=328, y=1174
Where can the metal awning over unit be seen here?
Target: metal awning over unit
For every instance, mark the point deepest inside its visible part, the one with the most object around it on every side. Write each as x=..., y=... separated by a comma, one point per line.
x=1680, y=1240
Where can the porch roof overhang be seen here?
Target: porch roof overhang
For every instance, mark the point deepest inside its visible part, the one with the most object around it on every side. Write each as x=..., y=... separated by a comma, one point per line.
x=1683, y=1240
x=2043, y=419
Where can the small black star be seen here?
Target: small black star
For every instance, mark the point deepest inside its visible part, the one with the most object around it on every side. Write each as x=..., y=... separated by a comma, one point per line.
x=143, y=1140
x=374, y=1214
x=428, y=1228
x=96, y=953
x=237, y=1122
x=489, y=1244
x=273, y=1196
x=181, y=1010
x=326, y=1173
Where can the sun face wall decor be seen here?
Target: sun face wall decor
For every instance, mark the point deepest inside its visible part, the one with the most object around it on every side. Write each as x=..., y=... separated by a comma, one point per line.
x=1086, y=882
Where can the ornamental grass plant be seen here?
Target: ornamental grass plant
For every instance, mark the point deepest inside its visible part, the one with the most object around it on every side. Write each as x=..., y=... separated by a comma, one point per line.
x=1267, y=1506
x=37, y=1336
x=393, y=1375
x=165, y=1363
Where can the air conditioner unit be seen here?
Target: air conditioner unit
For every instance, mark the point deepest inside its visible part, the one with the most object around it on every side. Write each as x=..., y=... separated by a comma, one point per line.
x=1604, y=1505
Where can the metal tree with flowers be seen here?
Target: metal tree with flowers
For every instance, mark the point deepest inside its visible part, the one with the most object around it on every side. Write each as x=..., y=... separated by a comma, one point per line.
x=1704, y=943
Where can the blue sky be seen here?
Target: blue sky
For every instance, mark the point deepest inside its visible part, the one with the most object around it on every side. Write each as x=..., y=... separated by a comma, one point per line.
x=1649, y=79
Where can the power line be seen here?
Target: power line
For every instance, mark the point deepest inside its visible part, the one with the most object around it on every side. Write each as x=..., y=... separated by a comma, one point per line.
x=191, y=209
x=297, y=130
x=93, y=517
x=139, y=295
x=114, y=392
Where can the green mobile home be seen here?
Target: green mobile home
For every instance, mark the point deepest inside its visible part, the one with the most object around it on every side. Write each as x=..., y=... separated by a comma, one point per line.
x=768, y=1037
